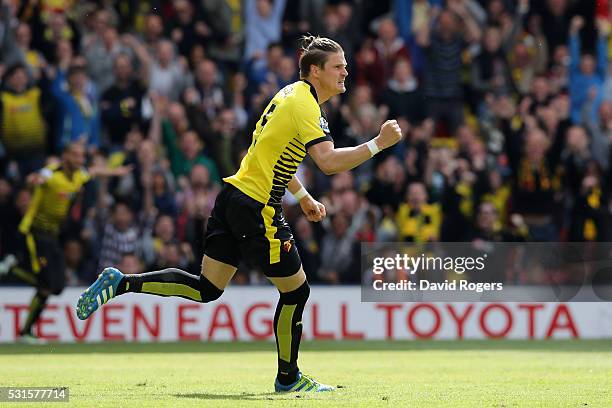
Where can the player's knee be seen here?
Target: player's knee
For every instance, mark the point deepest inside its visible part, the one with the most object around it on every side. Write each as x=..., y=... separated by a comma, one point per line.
x=208, y=291
x=297, y=296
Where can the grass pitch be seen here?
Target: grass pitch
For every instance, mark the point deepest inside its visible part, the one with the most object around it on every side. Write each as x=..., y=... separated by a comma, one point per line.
x=369, y=374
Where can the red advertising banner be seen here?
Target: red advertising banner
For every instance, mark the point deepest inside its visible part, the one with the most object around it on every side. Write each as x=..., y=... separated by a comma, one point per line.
x=331, y=313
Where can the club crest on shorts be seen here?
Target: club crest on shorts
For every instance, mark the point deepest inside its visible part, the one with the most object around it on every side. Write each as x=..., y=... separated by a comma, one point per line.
x=287, y=246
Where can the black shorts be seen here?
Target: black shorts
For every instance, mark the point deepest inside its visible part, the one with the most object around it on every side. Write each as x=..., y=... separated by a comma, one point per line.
x=45, y=251
x=241, y=228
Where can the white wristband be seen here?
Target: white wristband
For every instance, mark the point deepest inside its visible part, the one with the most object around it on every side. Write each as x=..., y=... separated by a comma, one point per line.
x=373, y=147
x=301, y=193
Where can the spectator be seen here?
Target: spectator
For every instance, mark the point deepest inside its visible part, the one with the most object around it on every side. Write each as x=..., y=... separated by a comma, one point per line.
x=130, y=264
x=601, y=129
x=308, y=247
x=57, y=28
x=302, y=17
x=403, y=96
x=123, y=234
x=418, y=221
x=22, y=109
x=187, y=30
x=385, y=191
x=189, y=153
x=174, y=255
x=167, y=76
x=205, y=98
x=586, y=74
x=576, y=159
x=443, y=50
x=94, y=23
x=73, y=260
x=122, y=103
x=164, y=231
x=184, y=151
x=525, y=63
x=263, y=25
x=369, y=68
x=528, y=54
x=536, y=180
x=153, y=31
x=588, y=216
x=227, y=143
x=489, y=227
x=555, y=21
x=19, y=50
x=338, y=252
x=261, y=70
x=490, y=70
x=340, y=23
x=163, y=196
x=389, y=46
x=101, y=54
x=226, y=20
x=196, y=201
x=79, y=114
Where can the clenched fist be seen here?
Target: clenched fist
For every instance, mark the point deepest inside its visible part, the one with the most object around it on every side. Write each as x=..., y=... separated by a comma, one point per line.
x=390, y=134
x=314, y=210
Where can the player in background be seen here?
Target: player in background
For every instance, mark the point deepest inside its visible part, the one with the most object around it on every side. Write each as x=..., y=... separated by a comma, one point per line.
x=247, y=221
x=39, y=260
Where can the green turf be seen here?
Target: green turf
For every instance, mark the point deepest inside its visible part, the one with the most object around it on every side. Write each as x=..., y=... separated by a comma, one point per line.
x=372, y=374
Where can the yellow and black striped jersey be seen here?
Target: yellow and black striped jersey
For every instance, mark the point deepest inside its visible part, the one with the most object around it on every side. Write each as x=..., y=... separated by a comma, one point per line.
x=23, y=128
x=52, y=199
x=290, y=124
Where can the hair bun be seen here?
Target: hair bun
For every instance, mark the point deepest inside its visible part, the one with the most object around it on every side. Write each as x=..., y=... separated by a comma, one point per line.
x=307, y=41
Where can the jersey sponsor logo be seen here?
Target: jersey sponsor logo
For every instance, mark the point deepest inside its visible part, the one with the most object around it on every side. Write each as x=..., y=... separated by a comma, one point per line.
x=66, y=195
x=21, y=109
x=287, y=90
x=324, y=125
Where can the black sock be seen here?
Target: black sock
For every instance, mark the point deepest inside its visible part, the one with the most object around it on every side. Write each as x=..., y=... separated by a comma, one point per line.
x=39, y=301
x=171, y=282
x=288, y=331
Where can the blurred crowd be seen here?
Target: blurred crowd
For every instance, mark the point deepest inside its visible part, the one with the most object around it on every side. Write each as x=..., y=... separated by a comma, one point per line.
x=506, y=108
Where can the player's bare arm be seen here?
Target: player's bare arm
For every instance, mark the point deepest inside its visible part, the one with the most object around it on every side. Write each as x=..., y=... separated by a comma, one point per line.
x=331, y=160
x=103, y=171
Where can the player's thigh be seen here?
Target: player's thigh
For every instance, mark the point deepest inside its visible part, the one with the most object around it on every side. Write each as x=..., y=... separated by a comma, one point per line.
x=278, y=259
x=23, y=250
x=289, y=283
x=217, y=272
x=52, y=267
x=221, y=258
x=221, y=255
